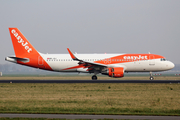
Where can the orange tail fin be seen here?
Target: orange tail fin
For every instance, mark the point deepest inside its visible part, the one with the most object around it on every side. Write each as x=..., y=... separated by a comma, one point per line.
x=22, y=47
x=25, y=53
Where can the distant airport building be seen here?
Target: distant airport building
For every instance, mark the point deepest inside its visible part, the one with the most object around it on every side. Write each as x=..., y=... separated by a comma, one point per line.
x=0, y=73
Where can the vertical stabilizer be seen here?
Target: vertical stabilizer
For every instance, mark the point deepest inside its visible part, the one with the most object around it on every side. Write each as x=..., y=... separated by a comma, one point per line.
x=22, y=47
x=25, y=53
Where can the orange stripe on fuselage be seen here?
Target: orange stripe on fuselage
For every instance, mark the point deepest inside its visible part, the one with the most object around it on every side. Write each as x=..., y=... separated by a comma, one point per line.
x=125, y=58
x=75, y=67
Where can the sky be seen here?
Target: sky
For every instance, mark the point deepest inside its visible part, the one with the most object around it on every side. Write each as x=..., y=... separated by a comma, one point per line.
x=93, y=26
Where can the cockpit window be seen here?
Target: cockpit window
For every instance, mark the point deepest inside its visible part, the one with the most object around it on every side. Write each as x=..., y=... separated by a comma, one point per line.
x=163, y=59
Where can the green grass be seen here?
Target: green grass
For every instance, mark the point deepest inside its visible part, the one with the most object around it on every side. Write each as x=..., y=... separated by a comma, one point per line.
x=135, y=99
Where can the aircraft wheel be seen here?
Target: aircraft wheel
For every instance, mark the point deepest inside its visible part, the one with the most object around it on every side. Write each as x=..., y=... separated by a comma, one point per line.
x=94, y=77
x=151, y=78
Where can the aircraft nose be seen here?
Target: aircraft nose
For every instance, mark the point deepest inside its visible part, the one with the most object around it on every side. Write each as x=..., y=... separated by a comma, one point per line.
x=171, y=65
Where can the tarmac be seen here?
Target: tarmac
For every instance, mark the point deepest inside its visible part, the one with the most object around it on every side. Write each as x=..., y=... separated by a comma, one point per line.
x=90, y=81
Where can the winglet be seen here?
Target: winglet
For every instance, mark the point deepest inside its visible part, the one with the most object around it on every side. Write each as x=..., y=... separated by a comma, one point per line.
x=72, y=55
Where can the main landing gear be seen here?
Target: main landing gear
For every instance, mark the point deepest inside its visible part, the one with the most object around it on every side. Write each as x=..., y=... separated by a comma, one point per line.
x=94, y=77
x=151, y=77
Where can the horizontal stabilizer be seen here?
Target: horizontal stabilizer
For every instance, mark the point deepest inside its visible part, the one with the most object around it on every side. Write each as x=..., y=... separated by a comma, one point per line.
x=15, y=59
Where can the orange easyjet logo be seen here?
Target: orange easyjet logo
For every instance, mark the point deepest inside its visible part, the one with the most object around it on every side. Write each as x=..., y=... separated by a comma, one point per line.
x=135, y=57
x=21, y=41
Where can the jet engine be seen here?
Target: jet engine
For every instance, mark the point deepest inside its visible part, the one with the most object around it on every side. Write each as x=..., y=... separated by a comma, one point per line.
x=115, y=72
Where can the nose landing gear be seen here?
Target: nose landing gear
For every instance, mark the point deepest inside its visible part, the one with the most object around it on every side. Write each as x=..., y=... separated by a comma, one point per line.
x=151, y=76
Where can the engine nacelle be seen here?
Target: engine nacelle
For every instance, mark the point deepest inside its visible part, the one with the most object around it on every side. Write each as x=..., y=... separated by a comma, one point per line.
x=114, y=72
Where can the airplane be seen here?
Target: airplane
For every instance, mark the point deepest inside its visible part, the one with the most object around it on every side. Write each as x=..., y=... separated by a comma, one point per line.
x=112, y=65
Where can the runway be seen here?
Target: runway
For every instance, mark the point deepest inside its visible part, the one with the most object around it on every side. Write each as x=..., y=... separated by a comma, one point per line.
x=90, y=81
x=70, y=116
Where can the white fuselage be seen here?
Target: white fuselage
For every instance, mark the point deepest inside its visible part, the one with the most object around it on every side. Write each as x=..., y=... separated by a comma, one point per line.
x=59, y=62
